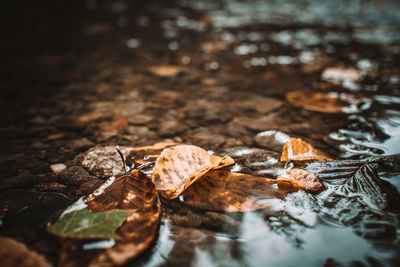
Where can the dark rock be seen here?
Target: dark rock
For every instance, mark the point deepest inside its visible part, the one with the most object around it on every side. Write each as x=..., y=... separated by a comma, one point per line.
x=27, y=208
x=80, y=144
x=272, y=140
x=75, y=175
x=88, y=187
x=170, y=127
x=23, y=180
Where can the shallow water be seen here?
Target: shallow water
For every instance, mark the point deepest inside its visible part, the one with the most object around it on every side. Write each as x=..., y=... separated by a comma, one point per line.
x=238, y=61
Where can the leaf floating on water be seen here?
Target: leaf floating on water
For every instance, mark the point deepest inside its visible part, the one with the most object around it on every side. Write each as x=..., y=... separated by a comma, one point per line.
x=233, y=192
x=135, y=196
x=300, y=179
x=15, y=254
x=321, y=102
x=84, y=224
x=165, y=70
x=180, y=166
x=358, y=178
x=298, y=150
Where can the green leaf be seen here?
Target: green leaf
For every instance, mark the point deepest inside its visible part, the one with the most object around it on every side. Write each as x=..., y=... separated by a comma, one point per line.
x=84, y=224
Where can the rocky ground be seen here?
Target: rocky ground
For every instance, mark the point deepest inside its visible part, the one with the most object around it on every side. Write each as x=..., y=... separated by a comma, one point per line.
x=81, y=76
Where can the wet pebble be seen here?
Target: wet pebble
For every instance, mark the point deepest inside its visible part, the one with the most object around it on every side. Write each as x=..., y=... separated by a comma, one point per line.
x=102, y=162
x=271, y=139
x=22, y=180
x=27, y=208
x=57, y=168
x=88, y=187
x=170, y=127
x=80, y=144
x=75, y=175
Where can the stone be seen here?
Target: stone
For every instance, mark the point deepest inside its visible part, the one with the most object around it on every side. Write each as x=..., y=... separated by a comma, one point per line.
x=23, y=180
x=75, y=175
x=57, y=168
x=28, y=208
x=80, y=144
x=88, y=187
x=103, y=161
x=170, y=127
x=272, y=140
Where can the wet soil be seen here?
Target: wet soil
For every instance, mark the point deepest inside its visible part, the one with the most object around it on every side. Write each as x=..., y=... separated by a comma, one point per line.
x=75, y=76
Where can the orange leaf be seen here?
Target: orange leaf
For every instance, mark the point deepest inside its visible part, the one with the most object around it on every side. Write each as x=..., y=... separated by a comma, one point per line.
x=320, y=102
x=133, y=192
x=298, y=150
x=300, y=179
x=179, y=166
x=165, y=70
x=233, y=192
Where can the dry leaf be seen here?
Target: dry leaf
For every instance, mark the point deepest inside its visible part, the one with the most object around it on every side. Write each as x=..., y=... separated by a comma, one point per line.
x=233, y=192
x=179, y=166
x=321, y=102
x=134, y=193
x=298, y=150
x=301, y=179
x=15, y=254
x=165, y=70
x=117, y=125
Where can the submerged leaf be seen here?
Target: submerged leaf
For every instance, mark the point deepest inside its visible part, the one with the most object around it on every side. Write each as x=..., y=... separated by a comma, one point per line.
x=179, y=166
x=301, y=179
x=298, y=150
x=358, y=178
x=321, y=102
x=233, y=192
x=86, y=224
x=133, y=193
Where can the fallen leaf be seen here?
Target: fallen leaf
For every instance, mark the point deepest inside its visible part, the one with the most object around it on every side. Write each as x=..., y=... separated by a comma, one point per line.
x=321, y=102
x=84, y=224
x=14, y=253
x=358, y=178
x=179, y=166
x=165, y=70
x=117, y=125
x=298, y=150
x=300, y=179
x=131, y=197
x=233, y=192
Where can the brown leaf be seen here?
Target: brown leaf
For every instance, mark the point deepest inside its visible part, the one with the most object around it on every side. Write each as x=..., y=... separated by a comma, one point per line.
x=300, y=179
x=179, y=166
x=298, y=150
x=117, y=125
x=233, y=192
x=165, y=70
x=136, y=193
x=321, y=102
x=14, y=253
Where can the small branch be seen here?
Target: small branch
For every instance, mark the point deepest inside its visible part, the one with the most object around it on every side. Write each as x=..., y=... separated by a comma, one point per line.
x=126, y=169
